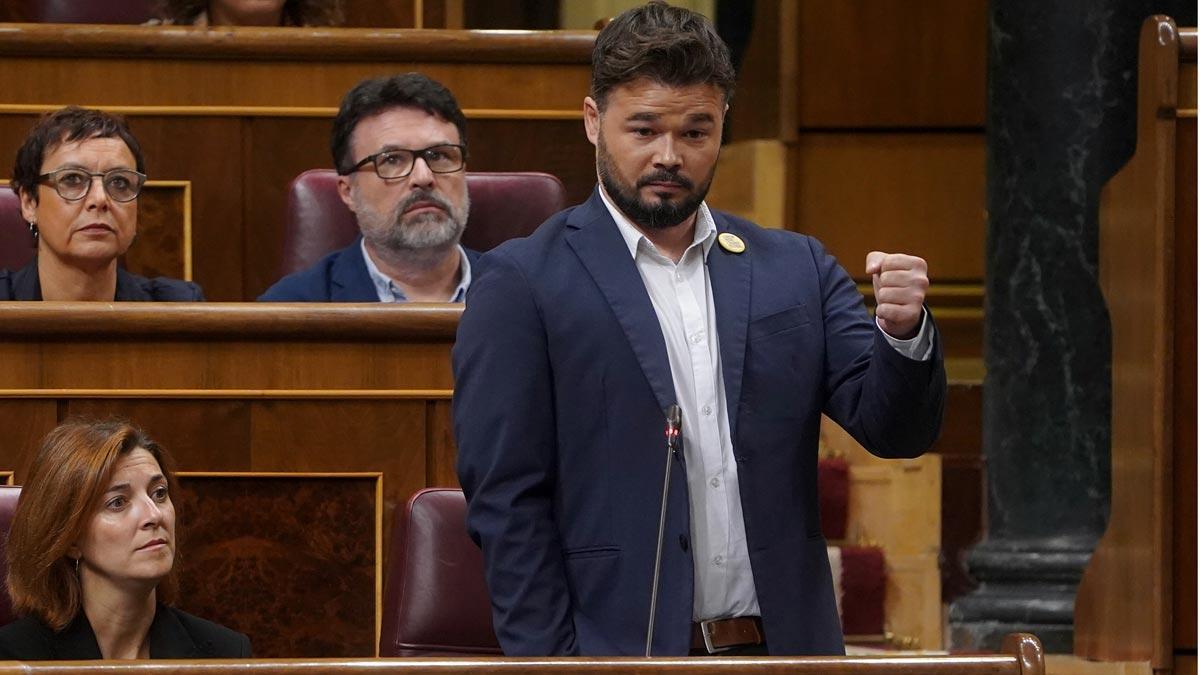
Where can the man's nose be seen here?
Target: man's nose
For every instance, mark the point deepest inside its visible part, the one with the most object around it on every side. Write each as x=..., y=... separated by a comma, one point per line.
x=665, y=156
x=422, y=175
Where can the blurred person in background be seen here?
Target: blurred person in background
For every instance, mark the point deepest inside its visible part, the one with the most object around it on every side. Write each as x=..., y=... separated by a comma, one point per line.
x=204, y=13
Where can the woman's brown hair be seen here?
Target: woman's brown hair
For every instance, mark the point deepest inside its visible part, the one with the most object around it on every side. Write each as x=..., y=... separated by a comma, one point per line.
x=63, y=489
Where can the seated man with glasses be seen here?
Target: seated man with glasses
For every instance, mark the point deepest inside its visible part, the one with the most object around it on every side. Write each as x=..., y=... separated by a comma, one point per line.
x=399, y=145
x=81, y=229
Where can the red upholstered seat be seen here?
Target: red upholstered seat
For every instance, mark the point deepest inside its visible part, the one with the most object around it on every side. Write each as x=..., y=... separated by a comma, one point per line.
x=8, y=506
x=503, y=206
x=84, y=11
x=436, y=600
x=16, y=245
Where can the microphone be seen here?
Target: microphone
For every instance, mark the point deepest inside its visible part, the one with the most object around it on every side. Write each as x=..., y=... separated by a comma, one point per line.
x=673, y=431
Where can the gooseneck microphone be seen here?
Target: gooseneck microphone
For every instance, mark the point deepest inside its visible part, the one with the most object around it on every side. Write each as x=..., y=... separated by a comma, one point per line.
x=674, y=429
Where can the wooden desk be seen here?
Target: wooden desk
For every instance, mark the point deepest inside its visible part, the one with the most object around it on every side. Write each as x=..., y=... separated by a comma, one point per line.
x=1022, y=655
x=238, y=112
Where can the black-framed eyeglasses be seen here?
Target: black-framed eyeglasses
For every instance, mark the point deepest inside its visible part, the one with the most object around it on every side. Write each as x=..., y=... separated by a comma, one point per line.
x=399, y=162
x=73, y=184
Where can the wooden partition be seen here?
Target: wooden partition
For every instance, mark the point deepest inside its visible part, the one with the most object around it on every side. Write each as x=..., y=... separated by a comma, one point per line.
x=239, y=112
x=1137, y=601
x=1022, y=655
x=239, y=388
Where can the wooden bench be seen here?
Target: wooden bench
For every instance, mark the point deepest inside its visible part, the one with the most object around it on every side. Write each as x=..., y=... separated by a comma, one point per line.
x=1137, y=600
x=221, y=113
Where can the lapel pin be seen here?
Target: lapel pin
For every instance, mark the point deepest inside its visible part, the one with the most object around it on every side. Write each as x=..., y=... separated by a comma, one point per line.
x=731, y=242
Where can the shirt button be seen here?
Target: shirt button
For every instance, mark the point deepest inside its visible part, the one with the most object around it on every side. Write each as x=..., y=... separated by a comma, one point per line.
x=715, y=482
x=678, y=276
x=697, y=338
x=707, y=410
x=718, y=561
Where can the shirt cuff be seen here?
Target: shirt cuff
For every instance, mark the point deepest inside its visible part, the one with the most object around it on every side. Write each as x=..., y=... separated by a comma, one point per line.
x=918, y=348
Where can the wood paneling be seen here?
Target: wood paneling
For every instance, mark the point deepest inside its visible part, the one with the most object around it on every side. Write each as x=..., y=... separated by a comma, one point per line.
x=892, y=63
x=1125, y=603
x=921, y=194
x=1184, y=500
x=292, y=561
x=378, y=13
x=963, y=499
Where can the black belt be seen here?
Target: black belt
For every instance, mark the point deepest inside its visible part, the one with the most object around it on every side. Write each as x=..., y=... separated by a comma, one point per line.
x=717, y=635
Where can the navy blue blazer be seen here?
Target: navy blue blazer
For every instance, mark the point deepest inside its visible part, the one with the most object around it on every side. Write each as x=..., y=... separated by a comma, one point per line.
x=340, y=276
x=173, y=635
x=24, y=284
x=561, y=377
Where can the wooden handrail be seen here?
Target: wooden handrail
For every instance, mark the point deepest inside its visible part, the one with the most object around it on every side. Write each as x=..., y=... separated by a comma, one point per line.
x=324, y=44
x=368, y=321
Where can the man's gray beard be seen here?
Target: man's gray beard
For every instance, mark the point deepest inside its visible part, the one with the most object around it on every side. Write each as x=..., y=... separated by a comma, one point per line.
x=424, y=238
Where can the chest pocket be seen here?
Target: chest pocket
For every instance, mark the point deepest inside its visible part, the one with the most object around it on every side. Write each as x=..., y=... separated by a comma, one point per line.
x=779, y=323
x=775, y=347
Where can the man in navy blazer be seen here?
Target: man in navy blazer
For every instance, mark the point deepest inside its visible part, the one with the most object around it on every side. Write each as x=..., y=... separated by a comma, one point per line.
x=576, y=339
x=399, y=145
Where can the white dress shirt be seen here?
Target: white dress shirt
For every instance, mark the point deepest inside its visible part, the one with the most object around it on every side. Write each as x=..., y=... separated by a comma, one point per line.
x=388, y=291
x=681, y=294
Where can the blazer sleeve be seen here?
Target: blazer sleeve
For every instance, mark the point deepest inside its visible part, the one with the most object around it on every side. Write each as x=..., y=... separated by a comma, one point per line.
x=890, y=403
x=504, y=424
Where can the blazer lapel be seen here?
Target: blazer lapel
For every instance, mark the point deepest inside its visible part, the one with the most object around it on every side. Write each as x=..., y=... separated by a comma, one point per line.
x=730, y=276
x=598, y=244
x=349, y=280
x=76, y=642
x=169, y=639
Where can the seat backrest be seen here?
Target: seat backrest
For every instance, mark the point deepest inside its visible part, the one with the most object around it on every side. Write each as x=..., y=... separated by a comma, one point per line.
x=504, y=205
x=8, y=506
x=436, y=600
x=16, y=245
x=85, y=11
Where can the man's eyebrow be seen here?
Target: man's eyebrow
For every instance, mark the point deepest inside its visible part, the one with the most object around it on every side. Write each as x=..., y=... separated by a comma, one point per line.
x=643, y=117
x=701, y=117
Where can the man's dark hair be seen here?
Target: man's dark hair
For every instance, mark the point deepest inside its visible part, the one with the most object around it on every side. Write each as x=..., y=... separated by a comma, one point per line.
x=67, y=125
x=370, y=97
x=673, y=46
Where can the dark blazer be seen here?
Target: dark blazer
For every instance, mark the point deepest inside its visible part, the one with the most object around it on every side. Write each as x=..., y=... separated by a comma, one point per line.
x=561, y=377
x=24, y=284
x=340, y=276
x=173, y=635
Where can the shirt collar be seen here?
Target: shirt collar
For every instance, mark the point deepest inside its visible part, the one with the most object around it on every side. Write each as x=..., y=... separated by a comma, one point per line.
x=705, y=234
x=388, y=291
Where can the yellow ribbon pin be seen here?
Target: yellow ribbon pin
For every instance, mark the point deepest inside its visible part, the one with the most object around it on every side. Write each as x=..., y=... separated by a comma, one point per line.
x=731, y=242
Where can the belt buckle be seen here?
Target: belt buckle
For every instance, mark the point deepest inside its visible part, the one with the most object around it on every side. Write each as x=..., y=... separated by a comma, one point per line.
x=708, y=644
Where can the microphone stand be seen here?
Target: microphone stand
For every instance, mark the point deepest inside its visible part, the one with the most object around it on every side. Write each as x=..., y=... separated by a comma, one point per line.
x=674, y=425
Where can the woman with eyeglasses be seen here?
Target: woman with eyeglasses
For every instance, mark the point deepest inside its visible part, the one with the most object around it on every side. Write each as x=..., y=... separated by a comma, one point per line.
x=78, y=175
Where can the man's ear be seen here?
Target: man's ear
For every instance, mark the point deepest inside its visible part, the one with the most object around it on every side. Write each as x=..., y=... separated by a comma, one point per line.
x=343, y=185
x=591, y=120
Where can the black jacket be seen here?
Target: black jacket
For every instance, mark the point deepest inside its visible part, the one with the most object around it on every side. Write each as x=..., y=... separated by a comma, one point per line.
x=173, y=635
x=24, y=284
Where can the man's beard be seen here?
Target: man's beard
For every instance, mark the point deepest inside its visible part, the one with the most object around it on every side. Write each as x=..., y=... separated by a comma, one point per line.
x=427, y=231
x=658, y=216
